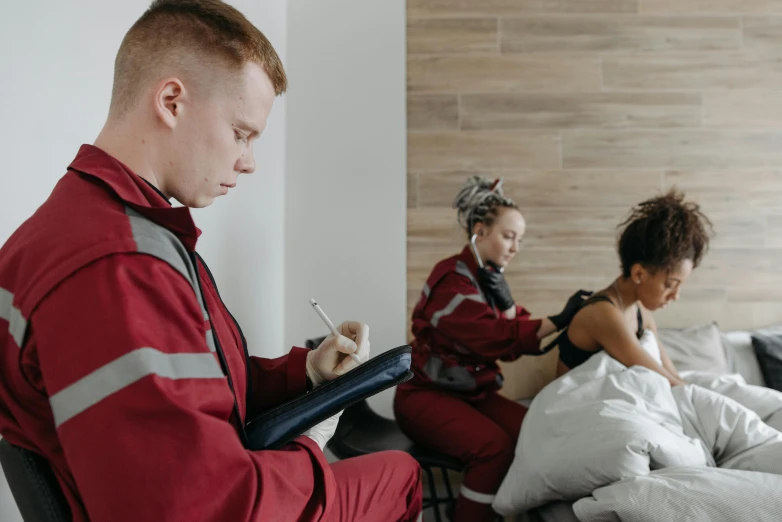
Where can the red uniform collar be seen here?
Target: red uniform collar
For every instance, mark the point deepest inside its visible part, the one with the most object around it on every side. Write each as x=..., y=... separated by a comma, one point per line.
x=135, y=192
x=467, y=257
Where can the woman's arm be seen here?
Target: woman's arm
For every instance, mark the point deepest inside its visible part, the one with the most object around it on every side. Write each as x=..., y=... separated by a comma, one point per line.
x=650, y=323
x=607, y=326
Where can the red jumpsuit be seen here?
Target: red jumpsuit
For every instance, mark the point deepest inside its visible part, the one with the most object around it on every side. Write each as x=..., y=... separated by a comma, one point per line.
x=452, y=403
x=120, y=364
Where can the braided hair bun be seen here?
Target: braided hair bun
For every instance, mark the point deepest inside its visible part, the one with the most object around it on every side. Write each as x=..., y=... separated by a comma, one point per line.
x=479, y=201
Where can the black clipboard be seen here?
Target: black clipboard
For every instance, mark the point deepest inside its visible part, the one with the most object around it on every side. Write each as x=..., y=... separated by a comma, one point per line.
x=280, y=425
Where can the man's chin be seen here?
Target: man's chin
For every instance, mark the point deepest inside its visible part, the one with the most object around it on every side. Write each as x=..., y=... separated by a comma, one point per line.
x=201, y=202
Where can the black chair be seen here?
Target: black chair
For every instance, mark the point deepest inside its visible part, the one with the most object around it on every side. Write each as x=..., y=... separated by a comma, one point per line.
x=361, y=431
x=33, y=485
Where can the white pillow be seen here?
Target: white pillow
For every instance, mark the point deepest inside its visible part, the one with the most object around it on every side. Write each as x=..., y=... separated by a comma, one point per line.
x=697, y=347
x=741, y=356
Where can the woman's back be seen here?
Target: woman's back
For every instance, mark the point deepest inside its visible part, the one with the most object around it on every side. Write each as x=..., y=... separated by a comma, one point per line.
x=579, y=341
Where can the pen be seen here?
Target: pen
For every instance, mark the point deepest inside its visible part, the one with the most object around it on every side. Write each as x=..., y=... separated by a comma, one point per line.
x=328, y=322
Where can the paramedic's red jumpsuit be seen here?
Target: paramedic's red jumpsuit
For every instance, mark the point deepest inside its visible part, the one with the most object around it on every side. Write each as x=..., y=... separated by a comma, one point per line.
x=109, y=369
x=452, y=403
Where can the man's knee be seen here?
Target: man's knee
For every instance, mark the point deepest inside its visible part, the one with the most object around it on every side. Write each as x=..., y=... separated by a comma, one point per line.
x=404, y=463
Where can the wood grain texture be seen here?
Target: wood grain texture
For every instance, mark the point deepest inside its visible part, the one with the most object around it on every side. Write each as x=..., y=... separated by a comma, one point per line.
x=711, y=6
x=692, y=71
x=502, y=73
x=589, y=110
x=549, y=188
x=762, y=34
x=586, y=108
x=744, y=108
x=619, y=34
x=423, y=8
x=674, y=148
x=483, y=150
x=453, y=35
x=432, y=111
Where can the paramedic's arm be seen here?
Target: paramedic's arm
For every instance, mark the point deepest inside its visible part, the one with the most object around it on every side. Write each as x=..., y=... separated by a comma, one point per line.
x=459, y=311
x=142, y=409
x=606, y=324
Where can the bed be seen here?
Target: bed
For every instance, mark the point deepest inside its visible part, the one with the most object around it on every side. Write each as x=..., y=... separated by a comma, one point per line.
x=681, y=456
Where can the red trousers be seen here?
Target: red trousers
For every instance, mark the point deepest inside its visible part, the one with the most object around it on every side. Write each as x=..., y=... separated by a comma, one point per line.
x=378, y=487
x=482, y=434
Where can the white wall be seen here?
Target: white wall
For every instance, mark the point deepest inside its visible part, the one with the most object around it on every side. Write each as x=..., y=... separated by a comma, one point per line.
x=345, y=212
x=55, y=87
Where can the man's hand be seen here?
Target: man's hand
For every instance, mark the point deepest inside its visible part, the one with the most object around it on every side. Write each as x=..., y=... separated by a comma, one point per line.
x=322, y=433
x=330, y=360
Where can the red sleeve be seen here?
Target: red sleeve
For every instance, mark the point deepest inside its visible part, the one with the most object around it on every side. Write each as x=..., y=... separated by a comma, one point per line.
x=142, y=408
x=275, y=381
x=459, y=311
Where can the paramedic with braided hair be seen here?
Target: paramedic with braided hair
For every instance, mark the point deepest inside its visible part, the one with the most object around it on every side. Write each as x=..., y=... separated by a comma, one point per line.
x=466, y=320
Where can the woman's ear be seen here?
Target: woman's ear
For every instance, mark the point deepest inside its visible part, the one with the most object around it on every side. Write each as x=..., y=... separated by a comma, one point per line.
x=479, y=229
x=638, y=274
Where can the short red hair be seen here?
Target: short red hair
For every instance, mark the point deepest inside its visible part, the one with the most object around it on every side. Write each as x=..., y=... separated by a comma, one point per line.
x=202, y=39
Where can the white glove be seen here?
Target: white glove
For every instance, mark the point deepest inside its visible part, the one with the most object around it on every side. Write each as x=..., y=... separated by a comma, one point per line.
x=322, y=433
x=330, y=360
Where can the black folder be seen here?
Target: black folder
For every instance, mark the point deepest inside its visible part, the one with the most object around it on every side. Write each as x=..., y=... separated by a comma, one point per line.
x=280, y=425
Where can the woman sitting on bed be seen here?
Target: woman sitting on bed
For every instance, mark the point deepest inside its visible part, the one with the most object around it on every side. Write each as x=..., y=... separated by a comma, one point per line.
x=663, y=240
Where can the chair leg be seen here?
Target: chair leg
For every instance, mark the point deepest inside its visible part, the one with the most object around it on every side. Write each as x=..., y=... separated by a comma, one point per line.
x=433, y=493
x=447, y=485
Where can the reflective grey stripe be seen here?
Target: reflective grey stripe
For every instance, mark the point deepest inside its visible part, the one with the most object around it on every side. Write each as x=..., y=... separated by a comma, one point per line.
x=480, y=498
x=456, y=301
x=462, y=269
x=17, y=325
x=427, y=290
x=157, y=241
x=210, y=340
x=124, y=371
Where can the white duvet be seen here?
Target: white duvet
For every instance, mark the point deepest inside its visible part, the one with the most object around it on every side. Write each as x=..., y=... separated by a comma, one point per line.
x=606, y=432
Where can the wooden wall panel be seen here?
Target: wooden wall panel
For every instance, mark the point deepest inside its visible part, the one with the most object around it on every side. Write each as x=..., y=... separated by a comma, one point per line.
x=589, y=110
x=700, y=71
x=619, y=33
x=711, y=6
x=483, y=150
x=502, y=73
x=586, y=107
x=424, y=8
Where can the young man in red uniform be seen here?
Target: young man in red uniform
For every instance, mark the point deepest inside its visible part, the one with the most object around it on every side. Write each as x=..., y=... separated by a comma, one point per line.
x=464, y=322
x=119, y=363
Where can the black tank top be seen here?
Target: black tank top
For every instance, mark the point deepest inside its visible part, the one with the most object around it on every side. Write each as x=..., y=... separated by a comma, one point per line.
x=570, y=354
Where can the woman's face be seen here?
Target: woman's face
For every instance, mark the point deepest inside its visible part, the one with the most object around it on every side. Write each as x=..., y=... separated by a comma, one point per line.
x=659, y=287
x=499, y=243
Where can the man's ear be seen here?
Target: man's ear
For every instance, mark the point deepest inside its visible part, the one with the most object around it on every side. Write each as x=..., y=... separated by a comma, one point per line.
x=168, y=101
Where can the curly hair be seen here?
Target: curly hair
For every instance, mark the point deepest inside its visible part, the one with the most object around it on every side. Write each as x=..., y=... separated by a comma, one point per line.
x=479, y=201
x=662, y=232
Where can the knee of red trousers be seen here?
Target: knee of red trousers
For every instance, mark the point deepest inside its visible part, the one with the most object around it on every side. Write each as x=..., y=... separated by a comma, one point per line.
x=410, y=469
x=489, y=465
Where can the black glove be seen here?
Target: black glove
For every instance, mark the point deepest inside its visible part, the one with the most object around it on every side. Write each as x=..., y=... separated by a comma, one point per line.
x=495, y=286
x=572, y=307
